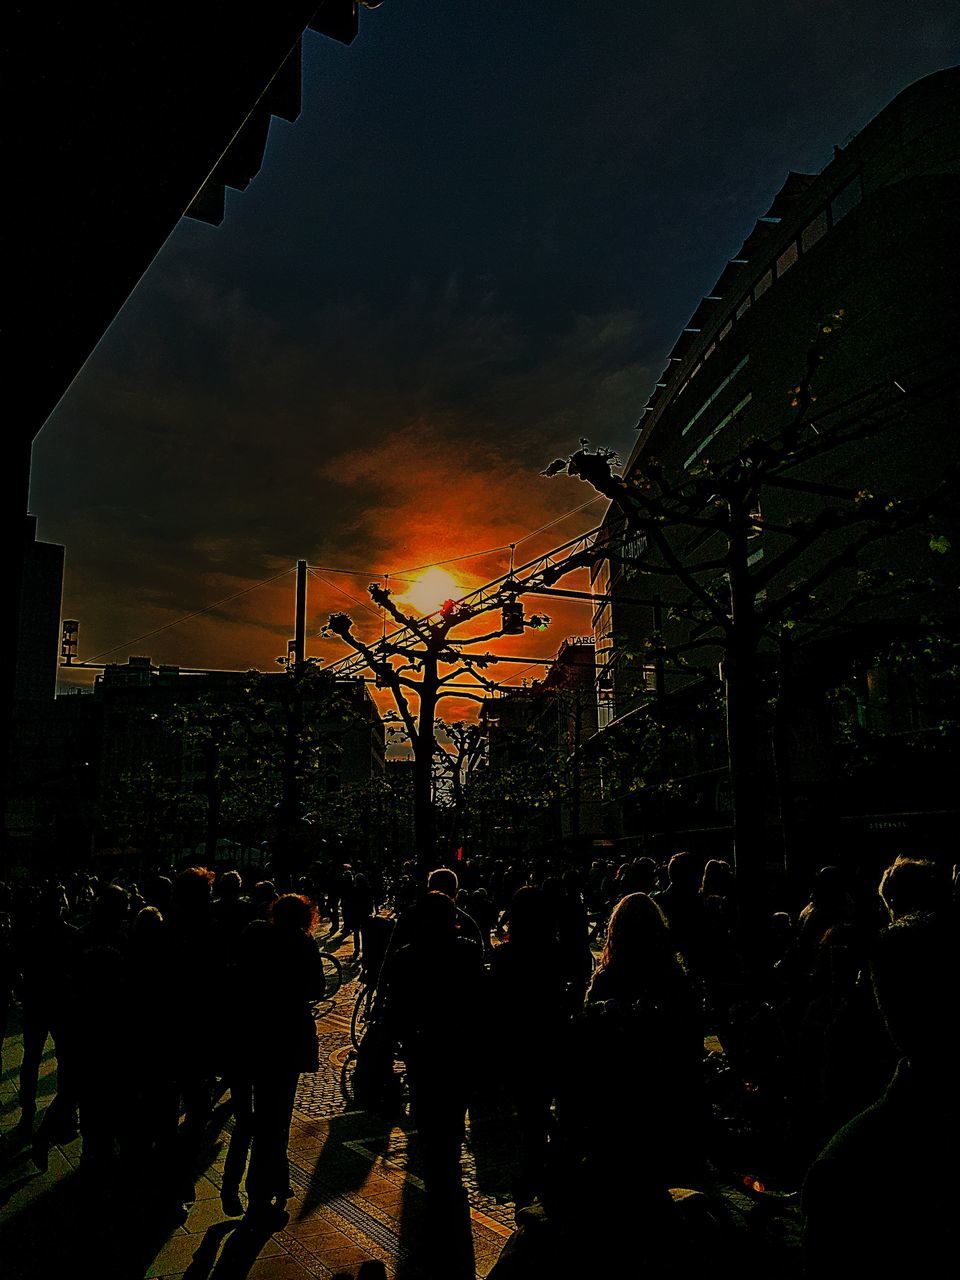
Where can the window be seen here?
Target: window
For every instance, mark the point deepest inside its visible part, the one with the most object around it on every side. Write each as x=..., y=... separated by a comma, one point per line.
x=846, y=199
x=718, y=428
x=744, y=306
x=814, y=231
x=763, y=284
x=709, y=351
x=787, y=259
x=725, y=330
x=713, y=395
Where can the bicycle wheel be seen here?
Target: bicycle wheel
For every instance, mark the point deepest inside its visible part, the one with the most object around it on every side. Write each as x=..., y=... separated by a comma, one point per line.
x=361, y=1012
x=346, y=1079
x=332, y=974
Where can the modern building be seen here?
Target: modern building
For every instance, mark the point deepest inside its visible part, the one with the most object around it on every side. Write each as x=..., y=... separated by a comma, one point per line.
x=872, y=239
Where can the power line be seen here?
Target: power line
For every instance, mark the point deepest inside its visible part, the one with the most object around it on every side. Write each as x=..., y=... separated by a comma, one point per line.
x=364, y=604
x=399, y=576
x=576, y=510
x=356, y=660
x=148, y=635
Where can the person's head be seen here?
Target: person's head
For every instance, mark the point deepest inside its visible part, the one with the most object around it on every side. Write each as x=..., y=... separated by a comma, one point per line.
x=293, y=911
x=717, y=878
x=916, y=977
x=262, y=894
x=229, y=886
x=192, y=890
x=909, y=885
x=637, y=934
x=829, y=889
x=147, y=924
x=781, y=926
x=683, y=872
x=160, y=892
x=51, y=904
x=443, y=880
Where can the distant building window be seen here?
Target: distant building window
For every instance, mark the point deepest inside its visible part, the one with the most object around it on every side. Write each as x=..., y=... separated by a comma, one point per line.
x=725, y=330
x=744, y=306
x=846, y=199
x=787, y=259
x=693, y=372
x=763, y=284
x=709, y=351
x=814, y=231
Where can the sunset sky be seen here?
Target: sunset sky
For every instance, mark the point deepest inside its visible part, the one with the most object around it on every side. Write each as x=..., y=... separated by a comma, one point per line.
x=477, y=244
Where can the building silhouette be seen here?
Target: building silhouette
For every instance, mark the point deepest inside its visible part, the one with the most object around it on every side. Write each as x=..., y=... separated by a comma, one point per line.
x=874, y=237
x=136, y=763
x=546, y=726
x=130, y=119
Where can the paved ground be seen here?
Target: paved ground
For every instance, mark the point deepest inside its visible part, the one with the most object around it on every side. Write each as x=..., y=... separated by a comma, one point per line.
x=357, y=1195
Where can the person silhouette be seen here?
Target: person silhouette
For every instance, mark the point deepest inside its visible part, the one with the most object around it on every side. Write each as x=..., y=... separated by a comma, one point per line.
x=279, y=976
x=884, y=1190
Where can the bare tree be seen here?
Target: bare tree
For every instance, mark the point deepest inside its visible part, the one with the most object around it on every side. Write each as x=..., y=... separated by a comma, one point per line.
x=424, y=661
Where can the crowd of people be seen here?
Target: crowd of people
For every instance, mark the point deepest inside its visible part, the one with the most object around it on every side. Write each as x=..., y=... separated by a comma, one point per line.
x=159, y=998
x=650, y=1039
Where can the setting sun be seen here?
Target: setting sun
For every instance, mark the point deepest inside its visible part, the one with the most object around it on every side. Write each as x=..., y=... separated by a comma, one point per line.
x=430, y=590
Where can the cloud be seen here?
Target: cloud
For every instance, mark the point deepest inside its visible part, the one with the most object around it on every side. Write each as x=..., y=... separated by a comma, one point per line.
x=208, y=444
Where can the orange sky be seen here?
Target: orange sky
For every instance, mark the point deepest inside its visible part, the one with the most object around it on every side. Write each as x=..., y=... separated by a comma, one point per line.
x=414, y=498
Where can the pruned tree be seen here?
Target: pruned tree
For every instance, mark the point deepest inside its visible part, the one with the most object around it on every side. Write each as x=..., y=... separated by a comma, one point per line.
x=426, y=663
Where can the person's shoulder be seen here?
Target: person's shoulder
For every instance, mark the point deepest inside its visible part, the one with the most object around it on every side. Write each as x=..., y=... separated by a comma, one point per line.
x=858, y=1154
x=602, y=987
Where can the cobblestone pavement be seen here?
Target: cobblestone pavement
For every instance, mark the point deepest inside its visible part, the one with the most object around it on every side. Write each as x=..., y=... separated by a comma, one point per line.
x=357, y=1195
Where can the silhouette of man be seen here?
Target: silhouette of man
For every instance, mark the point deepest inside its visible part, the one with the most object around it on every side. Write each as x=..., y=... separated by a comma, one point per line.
x=432, y=1006
x=883, y=1194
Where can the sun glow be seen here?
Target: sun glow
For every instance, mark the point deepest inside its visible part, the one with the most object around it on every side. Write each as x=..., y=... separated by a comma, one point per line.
x=430, y=590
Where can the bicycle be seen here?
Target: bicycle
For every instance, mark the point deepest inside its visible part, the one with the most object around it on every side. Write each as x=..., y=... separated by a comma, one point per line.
x=362, y=1009
x=332, y=974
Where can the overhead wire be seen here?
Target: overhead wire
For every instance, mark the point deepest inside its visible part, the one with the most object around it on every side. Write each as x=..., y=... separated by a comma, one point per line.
x=470, y=555
x=364, y=604
x=356, y=660
x=187, y=617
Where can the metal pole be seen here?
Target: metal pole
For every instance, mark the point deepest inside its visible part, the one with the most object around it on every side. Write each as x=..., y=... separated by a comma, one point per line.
x=301, y=616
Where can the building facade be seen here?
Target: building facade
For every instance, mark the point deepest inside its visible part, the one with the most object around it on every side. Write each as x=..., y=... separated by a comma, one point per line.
x=868, y=246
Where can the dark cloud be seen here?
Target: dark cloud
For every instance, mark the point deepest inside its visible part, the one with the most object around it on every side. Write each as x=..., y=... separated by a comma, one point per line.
x=477, y=244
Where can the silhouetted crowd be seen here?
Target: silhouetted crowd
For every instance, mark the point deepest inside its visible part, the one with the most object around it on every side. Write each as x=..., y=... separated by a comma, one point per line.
x=158, y=1000
x=671, y=1064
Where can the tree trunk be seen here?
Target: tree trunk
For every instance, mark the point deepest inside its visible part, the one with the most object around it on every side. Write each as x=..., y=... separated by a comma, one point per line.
x=741, y=692
x=424, y=821
x=782, y=721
